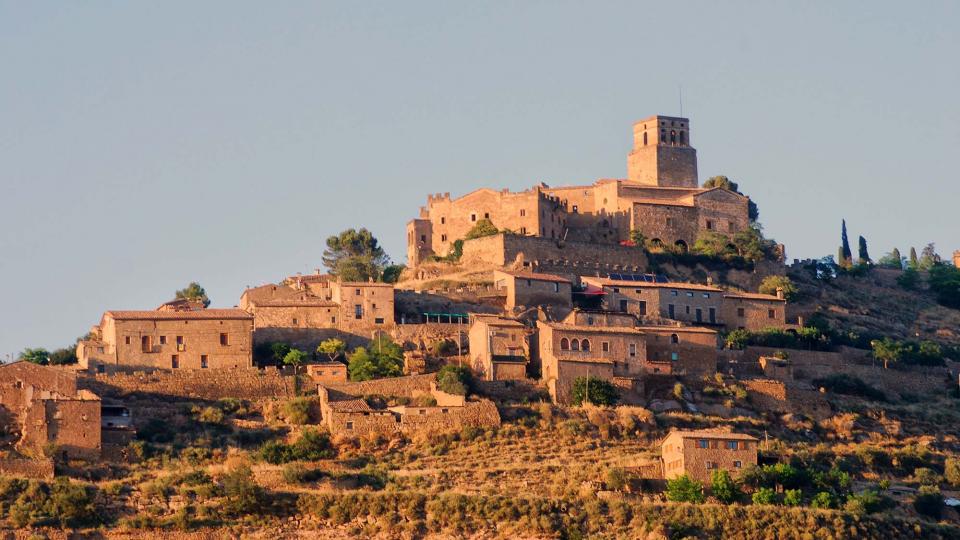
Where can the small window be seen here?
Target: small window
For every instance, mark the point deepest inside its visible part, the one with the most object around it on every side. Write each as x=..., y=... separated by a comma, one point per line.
x=422, y=411
x=585, y=345
x=486, y=215
x=163, y=340
x=529, y=283
x=643, y=307
x=706, y=295
x=703, y=443
x=689, y=294
x=711, y=465
x=738, y=464
x=473, y=217
x=423, y=238
x=616, y=289
x=564, y=344
x=378, y=320
x=357, y=311
x=333, y=320
x=674, y=338
x=349, y=424
x=633, y=350
x=126, y=340
x=356, y=292
x=443, y=238
x=605, y=346
x=523, y=230
x=673, y=293
x=175, y=361
x=556, y=287
x=224, y=340
x=444, y=411
x=771, y=314
x=295, y=321
x=739, y=312
x=203, y=361
x=589, y=321
x=523, y=212
x=709, y=225
x=575, y=344
x=674, y=356
x=574, y=209
x=101, y=368
x=443, y=220
x=731, y=445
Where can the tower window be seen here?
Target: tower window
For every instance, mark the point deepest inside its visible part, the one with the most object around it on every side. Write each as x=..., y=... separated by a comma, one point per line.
x=443, y=220
x=443, y=238
x=523, y=212
x=486, y=215
x=683, y=139
x=473, y=217
x=644, y=138
x=423, y=238
x=673, y=137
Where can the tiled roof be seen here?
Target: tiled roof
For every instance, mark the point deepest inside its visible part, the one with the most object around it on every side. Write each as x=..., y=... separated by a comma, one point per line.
x=365, y=284
x=206, y=314
x=677, y=329
x=754, y=296
x=647, y=284
x=536, y=276
x=295, y=302
x=712, y=435
x=594, y=328
x=496, y=320
x=350, y=405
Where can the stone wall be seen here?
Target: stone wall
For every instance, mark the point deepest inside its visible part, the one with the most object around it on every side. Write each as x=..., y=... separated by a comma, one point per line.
x=780, y=397
x=408, y=386
x=244, y=383
x=563, y=258
x=29, y=468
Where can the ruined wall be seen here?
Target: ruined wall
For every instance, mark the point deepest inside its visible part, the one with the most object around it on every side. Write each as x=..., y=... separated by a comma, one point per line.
x=74, y=426
x=408, y=386
x=29, y=468
x=244, y=383
x=780, y=397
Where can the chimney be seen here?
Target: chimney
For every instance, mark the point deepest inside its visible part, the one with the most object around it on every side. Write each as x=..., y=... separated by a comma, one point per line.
x=780, y=293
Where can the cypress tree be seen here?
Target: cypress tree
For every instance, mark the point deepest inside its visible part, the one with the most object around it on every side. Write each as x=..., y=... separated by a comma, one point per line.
x=846, y=255
x=914, y=262
x=862, y=251
x=896, y=255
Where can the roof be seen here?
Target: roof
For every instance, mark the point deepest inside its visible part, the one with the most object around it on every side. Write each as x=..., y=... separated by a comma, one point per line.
x=364, y=284
x=206, y=314
x=592, y=328
x=535, y=276
x=496, y=320
x=350, y=405
x=295, y=302
x=712, y=435
x=642, y=284
x=677, y=329
x=754, y=296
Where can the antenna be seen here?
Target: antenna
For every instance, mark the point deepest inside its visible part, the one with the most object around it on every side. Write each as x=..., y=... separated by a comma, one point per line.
x=680, y=92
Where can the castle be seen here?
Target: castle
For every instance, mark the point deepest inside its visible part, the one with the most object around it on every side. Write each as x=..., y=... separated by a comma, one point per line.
x=660, y=197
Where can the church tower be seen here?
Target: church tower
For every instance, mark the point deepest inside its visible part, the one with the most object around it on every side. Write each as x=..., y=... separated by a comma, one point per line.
x=662, y=155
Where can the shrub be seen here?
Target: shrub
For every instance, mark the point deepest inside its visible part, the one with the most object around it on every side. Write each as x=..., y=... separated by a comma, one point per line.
x=311, y=446
x=792, y=497
x=616, y=478
x=381, y=358
x=842, y=383
x=678, y=390
x=823, y=499
x=594, y=390
x=297, y=473
x=684, y=489
x=929, y=502
x=723, y=487
x=297, y=410
x=951, y=470
x=867, y=502
x=210, y=415
x=66, y=503
x=926, y=477
x=242, y=494
x=770, y=284
x=764, y=496
x=454, y=380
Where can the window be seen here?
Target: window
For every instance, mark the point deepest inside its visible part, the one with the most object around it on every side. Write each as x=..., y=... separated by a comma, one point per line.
x=443, y=220
x=486, y=215
x=706, y=295
x=643, y=307
x=585, y=345
x=523, y=230
x=669, y=222
x=529, y=283
x=688, y=310
x=709, y=225
x=349, y=424
x=739, y=312
x=295, y=321
x=574, y=209
x=564, y=344
x=689, y=294
x=713, y=315
x=175, y=361
x=771, y=314
x=423, y=238
x=422, y=411
x=644, y=138
x=673, y=293
x=616, y=289
x=674, y=338
x=357, y=311
x=126, y=340
x=703, y=443
x=556, y=287
x=575, y=345
x=589, y=321
x=443, y=238
x=711, y=465
x=473, y=217
x=333, y=320
x=100, y=350
x=732, y=227
x=445, y=411
x=674, y=356
x=732, y=445
x=145, y=344
x=203, y=361
x=633, y=350
x=101, y=368
x=523, y=212
x=180, y=345
x=378, y=320
x=224, y=340
x=605, y=346
x=356, y=292
x=670, y=311
x=163, y=340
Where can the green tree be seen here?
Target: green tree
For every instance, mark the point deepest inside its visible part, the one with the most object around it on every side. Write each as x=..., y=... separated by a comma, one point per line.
x=752, y=246
x=737, y=339
x=713, y=244
x=764, y=495
x=723, y=487
x=484, y=227
x=193, y=291
x=638, y=239
x=593, y=390
x=391, y=274
x=770, y=284
x=64, y=356
x=684, y=489
x=454, y=380
x=929, y=257
x=909, y=279
x=382, y=358
x=295, y=358
x=355, y=255
x=846, y=256
x=332, y=347
x=241, y=492
x=278, y=351
x=362, y=365
x=862, y=256
x=913, y=262
x=892, y=260
x=823, y=499
x=944, y=281
x=887, y=350
x=929, y=501
x=793, y=497
x=39, y=356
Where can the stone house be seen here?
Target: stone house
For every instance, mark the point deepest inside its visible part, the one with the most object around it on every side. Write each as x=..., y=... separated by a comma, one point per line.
x=364, y=305
x=201, y=339
x=776, y=368
x=526, y=289
x=42, y=409
x=499, y=348
x=327, y=372
x=698, y=453
x=689, y=350
x=661, y=197
x=754, y=312
x=349, y=415
x=568, y=351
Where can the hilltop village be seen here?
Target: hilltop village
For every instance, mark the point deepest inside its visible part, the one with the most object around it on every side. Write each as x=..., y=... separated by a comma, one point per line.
x=626, y=358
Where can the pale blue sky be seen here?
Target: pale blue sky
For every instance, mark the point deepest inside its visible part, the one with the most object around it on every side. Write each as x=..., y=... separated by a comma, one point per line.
x=145, y=145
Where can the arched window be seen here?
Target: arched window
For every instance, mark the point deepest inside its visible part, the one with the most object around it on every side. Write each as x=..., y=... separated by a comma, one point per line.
x=644, y=138
x=585, y=345
x=681, y=246
x=575, y=345
x=673, y=137
x=564, y=344
x=674, y=338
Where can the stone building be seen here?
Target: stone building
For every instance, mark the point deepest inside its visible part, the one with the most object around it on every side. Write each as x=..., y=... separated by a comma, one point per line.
x=527, y=289
x=660, y=197
x=698, y=453
x=305, y=310
x=499, y=348
x=690, y=303
x=42, y=410
x=327, y=372
x=688, y=350
x=169, y=339
x=568, y=351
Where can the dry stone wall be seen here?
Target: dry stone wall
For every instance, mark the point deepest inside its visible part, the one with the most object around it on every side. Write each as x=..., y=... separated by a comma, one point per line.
x=244, y=383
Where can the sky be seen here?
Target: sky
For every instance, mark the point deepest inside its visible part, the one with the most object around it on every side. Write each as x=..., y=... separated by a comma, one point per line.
x=147, y=145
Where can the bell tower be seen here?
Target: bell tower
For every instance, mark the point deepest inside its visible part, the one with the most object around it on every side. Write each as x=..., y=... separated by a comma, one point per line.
x=662, y=155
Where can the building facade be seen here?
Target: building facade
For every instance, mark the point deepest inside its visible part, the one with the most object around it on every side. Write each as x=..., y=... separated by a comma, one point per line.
x=527, y=289
x=698, y=453
x=499, y=348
